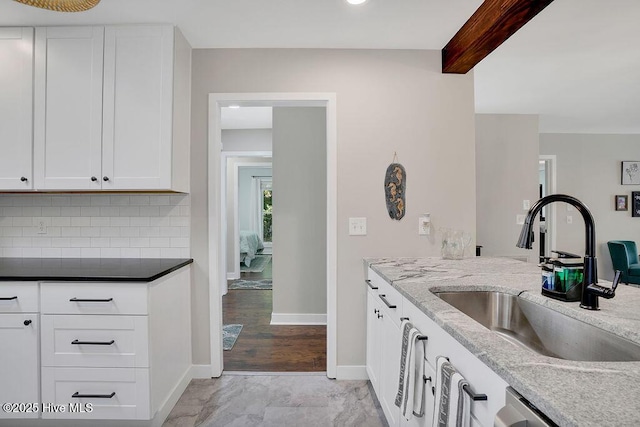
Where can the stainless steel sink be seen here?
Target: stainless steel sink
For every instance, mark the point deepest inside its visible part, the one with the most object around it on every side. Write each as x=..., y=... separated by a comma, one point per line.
x=541, y=329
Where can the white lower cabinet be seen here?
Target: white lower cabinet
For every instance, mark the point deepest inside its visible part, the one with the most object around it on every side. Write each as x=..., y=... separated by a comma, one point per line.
x=98, y=393
x=19, y=361
x=481, y=378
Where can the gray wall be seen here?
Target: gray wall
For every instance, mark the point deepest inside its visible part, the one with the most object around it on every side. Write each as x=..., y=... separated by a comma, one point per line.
x=387, y=101
x=506, y=174
x=589, y=168
x=246, y=140
x=299, y=210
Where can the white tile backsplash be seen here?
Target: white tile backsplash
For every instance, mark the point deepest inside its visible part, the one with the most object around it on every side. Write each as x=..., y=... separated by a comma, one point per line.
x=95, y=226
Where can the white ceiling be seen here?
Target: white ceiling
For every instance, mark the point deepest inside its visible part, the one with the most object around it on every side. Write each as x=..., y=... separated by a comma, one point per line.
x=246, y=118
x=576, y=64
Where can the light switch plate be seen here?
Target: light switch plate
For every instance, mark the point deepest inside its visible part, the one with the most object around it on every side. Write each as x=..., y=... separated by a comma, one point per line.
x=526, y=205
x=424, y=224
x=358, y=226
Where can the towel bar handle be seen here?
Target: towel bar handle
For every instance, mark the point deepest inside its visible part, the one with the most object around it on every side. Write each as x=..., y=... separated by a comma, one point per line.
x=475, y=397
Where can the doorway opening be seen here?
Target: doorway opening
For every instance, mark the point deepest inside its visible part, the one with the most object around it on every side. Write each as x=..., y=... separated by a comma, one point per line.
x=268, y=202
x=547, y=185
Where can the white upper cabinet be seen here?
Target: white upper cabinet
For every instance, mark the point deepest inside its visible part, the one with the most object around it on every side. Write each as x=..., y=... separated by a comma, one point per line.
x=138, y=109
x=68, y=108
x=112, y=108
x=16, y=103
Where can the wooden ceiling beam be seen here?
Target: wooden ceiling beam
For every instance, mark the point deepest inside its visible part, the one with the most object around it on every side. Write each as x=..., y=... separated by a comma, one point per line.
x=490, y=26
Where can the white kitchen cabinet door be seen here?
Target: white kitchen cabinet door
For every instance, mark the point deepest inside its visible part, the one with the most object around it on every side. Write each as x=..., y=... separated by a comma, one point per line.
x=390, y=348
x=16, y=104
x=19, y=364
x=68, y=108
x=374, y=329
x=138, y=107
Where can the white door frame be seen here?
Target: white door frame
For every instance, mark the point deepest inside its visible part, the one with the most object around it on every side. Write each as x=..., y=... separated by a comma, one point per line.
x=551, y=177
x=235, y=274
x=217, y=210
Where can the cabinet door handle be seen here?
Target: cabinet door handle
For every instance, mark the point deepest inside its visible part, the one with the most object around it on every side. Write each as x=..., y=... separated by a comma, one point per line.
x=8, y=298
x=24, y=179
x=27, y=322
x=90, y=300
x=368, y=282
x=382, y=297
x=76, y=342
x=94, y=179
x=380, y=316
x=93, y=396
x=105, y=178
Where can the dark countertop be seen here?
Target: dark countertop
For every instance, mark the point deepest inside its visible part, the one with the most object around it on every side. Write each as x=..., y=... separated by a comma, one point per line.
x=88, y=269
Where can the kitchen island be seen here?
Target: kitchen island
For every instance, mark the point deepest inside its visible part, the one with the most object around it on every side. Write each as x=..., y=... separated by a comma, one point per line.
x=570, y=393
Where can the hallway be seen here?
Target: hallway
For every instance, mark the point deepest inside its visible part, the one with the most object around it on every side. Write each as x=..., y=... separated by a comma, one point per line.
x=262, y=347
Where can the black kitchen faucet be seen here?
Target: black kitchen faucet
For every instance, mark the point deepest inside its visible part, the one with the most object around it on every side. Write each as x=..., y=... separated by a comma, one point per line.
x=590, y=288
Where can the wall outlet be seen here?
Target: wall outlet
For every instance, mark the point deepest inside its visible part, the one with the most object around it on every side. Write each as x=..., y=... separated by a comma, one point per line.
x=357, y=226
x=526, y=205
x=520, y=219
x=569, y=219
x=42, y=226
x=424, y=225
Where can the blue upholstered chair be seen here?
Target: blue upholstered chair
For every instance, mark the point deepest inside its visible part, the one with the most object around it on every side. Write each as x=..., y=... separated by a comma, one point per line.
x=624, y=255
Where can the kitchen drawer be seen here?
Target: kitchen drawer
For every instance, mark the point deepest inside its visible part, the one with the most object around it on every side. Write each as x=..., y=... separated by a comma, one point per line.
x=124, y=392
x=93, y=298
x=18, y=297
x=95, y=341
x=390, y=298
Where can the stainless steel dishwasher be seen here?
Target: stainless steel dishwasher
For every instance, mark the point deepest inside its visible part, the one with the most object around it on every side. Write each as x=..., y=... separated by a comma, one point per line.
x=517, y=412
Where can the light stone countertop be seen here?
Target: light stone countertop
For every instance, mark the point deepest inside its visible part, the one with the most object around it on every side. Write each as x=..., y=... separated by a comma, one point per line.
x=571, y=393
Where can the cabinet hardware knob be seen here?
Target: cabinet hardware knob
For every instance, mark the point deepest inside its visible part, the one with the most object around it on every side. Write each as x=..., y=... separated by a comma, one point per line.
x=94, y=179
x=105, y=178
x=27, y=322
x=24, y=179
x=376, y=311
x=380, y=316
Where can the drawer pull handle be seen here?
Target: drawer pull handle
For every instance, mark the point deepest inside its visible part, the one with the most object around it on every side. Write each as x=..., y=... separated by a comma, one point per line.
x=93, y=396
x=90, y=300
x=8, y=298
x=382, y=297
x=76, y=342
x=368, y=282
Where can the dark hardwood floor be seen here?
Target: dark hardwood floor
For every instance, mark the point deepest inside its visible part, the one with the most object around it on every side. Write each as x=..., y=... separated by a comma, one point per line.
x=265, y=348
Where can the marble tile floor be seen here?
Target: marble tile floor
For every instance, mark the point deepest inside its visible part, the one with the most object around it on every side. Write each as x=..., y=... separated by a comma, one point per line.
x=273, y=400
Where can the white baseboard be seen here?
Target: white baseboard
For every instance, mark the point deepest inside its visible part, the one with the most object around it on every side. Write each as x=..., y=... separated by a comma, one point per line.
x=298, y=319
x=201, y=371
x=166, y=407
x=351, y=372
x=233, y=275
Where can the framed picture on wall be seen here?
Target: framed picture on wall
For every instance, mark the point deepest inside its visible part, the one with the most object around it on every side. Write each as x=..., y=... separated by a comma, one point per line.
x=635, y=203
x=622, y=202
x=630, y=173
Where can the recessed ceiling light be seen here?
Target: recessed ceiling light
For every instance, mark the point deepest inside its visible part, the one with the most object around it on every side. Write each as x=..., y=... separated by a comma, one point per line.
x=356, y=1
x=234, y=106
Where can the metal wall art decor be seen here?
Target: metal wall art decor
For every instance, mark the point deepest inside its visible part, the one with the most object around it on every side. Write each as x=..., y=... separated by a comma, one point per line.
x=395, y=184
